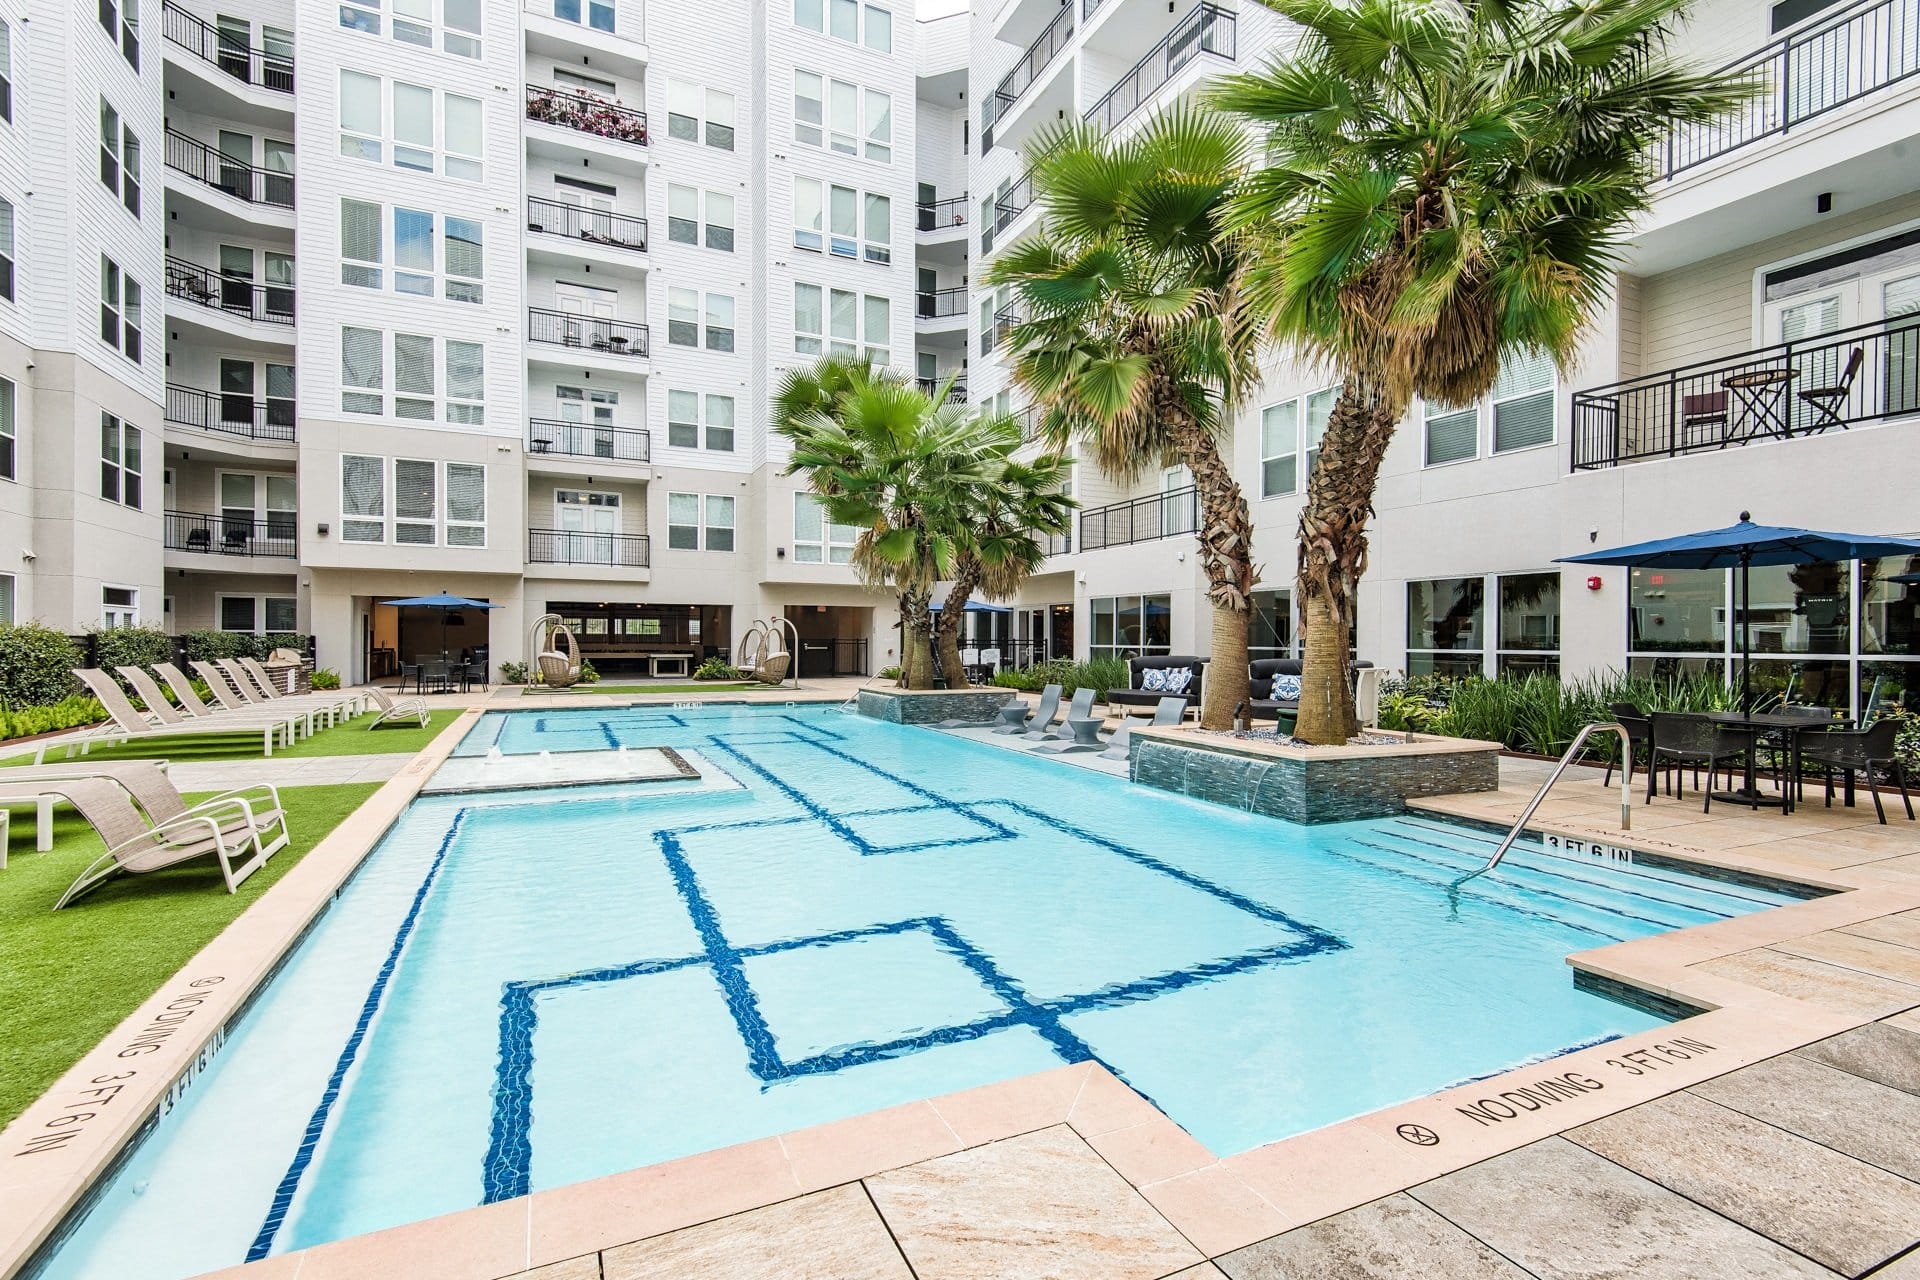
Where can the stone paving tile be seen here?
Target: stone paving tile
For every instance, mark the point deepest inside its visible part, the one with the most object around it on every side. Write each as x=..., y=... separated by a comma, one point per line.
x=1836, y=1210
x=1041, y=1204
x=1831, y=985
x=1876, y=1051
x=1901, y=930
x=1205, y=1271
x=1397, y=1238
x=1907, y=1268
x=1835, y=1108
x=829, y=1235
x=1869, y=955
x=582, y=1268
x=1564, y=1213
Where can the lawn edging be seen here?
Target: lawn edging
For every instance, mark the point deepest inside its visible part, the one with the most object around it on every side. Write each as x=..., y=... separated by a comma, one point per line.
x=54, y=1151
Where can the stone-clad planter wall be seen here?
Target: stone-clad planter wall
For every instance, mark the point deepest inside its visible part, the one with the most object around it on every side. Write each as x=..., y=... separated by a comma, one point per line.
x=1323, y=784
x=931, y=706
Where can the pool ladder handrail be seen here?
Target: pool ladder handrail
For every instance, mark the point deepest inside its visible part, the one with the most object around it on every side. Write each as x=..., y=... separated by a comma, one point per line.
x=1579, y=740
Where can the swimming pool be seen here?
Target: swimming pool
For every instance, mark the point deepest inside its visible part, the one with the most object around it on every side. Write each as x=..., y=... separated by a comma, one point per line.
x=525, y=989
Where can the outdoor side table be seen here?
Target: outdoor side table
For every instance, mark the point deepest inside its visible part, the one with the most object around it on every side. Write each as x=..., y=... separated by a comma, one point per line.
x=1762, y=397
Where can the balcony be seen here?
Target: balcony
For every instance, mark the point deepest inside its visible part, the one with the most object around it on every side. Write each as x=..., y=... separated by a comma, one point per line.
x=1869, y=373
x=942, y=215
x=591, y=226
x=956, y=394
x=208, y=43
x=1208, y=29
x=566, y=546
x=216, y=169
x=1164, y=515
x=1003, y=322
x=1008, y=208
x=589, y=333
x=223, y=535
x=1803, y=77
x=553, y=437
x=240, y=416
x=230, y=295
x=586, y=113
x=940, y=303
x=1045, y=48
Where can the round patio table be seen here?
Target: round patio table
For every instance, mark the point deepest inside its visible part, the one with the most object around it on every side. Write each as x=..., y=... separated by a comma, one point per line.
x=1790, y=727
x=1763, y=394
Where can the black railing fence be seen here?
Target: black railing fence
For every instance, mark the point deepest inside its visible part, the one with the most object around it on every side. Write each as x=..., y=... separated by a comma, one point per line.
x=587, y=440
x=232, y=413
x=568, y=546
x=1163, y=515
x=227, y=51
x=1208, y=29
x=570, y=329
x=187, y=154
x=596, y=226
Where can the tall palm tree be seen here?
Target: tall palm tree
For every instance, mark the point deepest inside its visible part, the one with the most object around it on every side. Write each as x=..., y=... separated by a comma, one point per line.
x=1447, y=184
x=919, y=479
x=1136, y=341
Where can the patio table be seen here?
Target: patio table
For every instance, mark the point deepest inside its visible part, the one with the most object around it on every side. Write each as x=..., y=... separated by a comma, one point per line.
x=1762, y=396
x=1754, y=726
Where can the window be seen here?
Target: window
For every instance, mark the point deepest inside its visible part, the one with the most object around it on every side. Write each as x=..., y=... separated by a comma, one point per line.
x=6, y=599
x=415, y=507
x=119, y=607
x=119, y=310
x=683, y=217
x=1445, y=626
x=842, y=220
x=719, y=522
x=851, y=325
x=448, y=142
x=6, y=250
x=1319, y=413
x=412, y=252
x=719, y=322
x=363, y=498
x=720, y=424
x=463, y=137
x=1279, y=448
x=412, y=127
x=119, y=461
x=809, y=319
x=877, y=326
x=361, y=366
x=689, y=104
x=6, y=114
x=119, y=158
x=809, y=214
x=599, y=13
x=361, y=136
x=685, y=313
x=720, y=221
x=849, y=20
x=817, y=539
x=1131, y=626
x=1523, y=402
x=466, y=366
x=416, y=259
x=120, y=19
x=683, y=419
x=362, y=249
x=842, y=116
x=466, y=504
x=878, y=227
x=8, y=430
x=1452, y=435
x=413, y=23
x=1529, y=623
x=413, y=379
x=683, y=521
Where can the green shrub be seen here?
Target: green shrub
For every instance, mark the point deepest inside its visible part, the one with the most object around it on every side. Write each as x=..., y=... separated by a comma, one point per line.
x=326, y=678
x=587, y=674
x=36, y=665
x=208, y=645
x=1406, y=711
x=514, y=672
x=1098, y=674
x=68, y=713
x=131, y=647
x=719, y=669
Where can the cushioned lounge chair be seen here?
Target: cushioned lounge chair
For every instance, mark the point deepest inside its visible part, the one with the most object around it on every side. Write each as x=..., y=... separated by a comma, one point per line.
x=228, y=828
x=1138, y=694
x=1042, y=714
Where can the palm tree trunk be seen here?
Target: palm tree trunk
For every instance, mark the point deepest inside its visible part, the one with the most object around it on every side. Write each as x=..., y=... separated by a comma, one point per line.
x=1333, y=553
x=917, y=661
x=946, y=628
x=1226, y=555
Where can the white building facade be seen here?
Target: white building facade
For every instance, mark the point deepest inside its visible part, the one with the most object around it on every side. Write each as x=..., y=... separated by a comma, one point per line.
x=1782, y=251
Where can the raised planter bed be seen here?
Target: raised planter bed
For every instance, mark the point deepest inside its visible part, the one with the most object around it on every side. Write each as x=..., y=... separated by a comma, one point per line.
x=931, y=706
x=1310, y=784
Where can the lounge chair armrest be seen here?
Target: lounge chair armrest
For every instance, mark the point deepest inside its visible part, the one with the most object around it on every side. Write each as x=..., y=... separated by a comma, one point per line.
x=163, y=830
x=273, y=795
x=212, y=807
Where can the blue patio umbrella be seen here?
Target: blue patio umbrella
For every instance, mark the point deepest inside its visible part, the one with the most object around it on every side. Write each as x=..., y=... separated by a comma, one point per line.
x=973, y=606
x=1742, y=546
x=446, y=604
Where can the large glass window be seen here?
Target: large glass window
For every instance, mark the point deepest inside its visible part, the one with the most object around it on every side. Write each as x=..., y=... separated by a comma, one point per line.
x=1446, y=626
x=1279, y=448
x=1131, y=626
x=683, y=521
x=1523, y=402
x=1529, y=622
x=1270, y=629
x=817, y=539
x=8, y=430
x=120, y=468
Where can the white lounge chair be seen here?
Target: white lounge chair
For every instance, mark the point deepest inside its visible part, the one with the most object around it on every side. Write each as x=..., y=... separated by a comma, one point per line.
x=164, y=713
x=229, y=828
x=350, y=701
x=394, y=711
x=127, y=724
x=21, y=786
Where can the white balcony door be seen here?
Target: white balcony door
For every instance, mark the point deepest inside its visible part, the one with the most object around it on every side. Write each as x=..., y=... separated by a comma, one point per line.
x=595, y=217
x=588, y=414
x=587, y=522
x=589, y=313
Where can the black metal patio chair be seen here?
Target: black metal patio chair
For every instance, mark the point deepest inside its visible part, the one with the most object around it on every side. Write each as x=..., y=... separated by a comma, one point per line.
x=1862, y=750
x=1826, y=402
x=1639, y=734
x=1681, y=740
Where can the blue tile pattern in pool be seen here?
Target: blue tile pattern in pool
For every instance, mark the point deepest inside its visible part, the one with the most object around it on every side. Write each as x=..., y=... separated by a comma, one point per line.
x=523, y=990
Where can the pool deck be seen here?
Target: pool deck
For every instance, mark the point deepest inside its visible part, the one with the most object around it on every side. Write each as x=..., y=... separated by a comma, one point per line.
x=1777, y=1134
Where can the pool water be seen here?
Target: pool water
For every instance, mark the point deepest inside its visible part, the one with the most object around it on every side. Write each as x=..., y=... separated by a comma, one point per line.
x=525, y=989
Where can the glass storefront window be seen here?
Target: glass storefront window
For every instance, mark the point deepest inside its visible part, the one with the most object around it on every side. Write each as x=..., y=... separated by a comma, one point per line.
x=1127, y=626
x=1799, y=608
x=1529, y=622
x=1677, y=611
x=1889, y=610
x=1270, y=629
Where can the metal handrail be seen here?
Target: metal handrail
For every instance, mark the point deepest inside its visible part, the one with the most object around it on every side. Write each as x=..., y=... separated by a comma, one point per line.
x=1039, y=55
x=596, y=226
x=935, y=304
x=1207, y=29
x=1526, y=814
x=210, y=44
x=187, y=154
x=235, y=295
x=939, y=215
x=571, y=109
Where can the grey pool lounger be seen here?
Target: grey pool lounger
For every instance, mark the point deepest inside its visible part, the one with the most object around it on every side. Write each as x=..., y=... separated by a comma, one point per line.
x=1080, y=708
x=1086, y=737
x=1170, y=711
x=1042, y=714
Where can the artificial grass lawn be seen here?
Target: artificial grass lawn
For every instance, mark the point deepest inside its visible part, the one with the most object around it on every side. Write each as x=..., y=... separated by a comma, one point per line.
x=351, y=738
x=68, y=977
x=712, y=686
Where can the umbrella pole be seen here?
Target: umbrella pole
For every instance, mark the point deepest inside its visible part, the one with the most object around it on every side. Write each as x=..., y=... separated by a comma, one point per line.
x=1746, y=633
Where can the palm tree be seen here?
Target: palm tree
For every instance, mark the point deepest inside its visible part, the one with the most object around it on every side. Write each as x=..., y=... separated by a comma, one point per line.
x=921, y=480
x=1136, y=341
x=1447, y=184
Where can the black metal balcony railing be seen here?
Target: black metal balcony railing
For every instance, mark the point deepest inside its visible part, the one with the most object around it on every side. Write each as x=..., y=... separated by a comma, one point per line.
x=1045, y=48
x=938, y=215
x=956, y=394
x=1805, y=75
x=570, y=329
x=1208, y=29
x=1003, y=322
x=566, y=546
x=224, y=535
x=934, y=304
x=235, y=295
x=595, y=226
x=242, y=181
x=583, y=111
x=1868, y=373
x=553, y=436
x=1018, y=199
x=232, y=414
x=1163, y=515
x=1030, y=419
x=207, y=42
x=1088, y=7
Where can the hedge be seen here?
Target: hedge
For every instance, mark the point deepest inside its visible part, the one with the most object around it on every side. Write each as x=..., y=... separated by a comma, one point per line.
x=36, y=665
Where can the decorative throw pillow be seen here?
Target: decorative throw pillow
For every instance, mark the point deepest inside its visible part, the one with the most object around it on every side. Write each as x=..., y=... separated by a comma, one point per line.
x=1153, y=680
x=1286, y=688
x=1178, y=678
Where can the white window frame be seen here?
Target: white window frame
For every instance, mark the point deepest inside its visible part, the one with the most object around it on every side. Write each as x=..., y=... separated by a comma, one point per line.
x=125, y=478
x=712, y=425
x=710, y=112
x=1290, y=453
x=1495, y=400
x=121, y=309
x=6, y=93
x=380, y=517
x=1434, y=413
x=848, y=119
x=411, y=528
x=260, y=602
x=472, y=531
x=9, y=431
x=429, y=26
x=835, y=543
x=709, y=527
x=699, y=509
x=436, y=154
x=115, y=616
x=119, y=158
x=9, y=598
x=462, y=409
x=7, y=260
x=872, y=23
x=707, y=308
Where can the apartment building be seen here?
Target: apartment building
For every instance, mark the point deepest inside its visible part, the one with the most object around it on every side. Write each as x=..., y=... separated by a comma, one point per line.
x=449, y=295
x=1782, y=256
